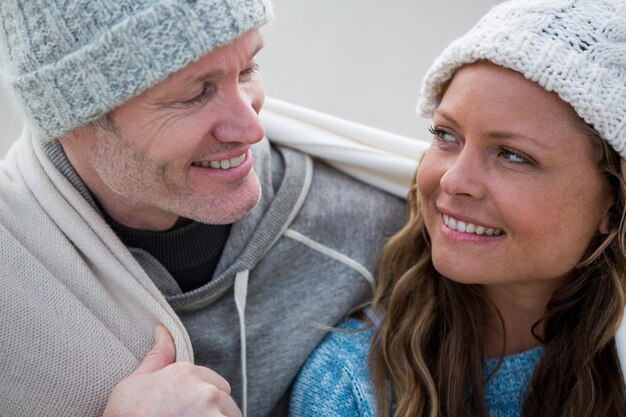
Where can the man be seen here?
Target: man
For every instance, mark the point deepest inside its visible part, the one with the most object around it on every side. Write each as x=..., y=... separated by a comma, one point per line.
x=133, y=198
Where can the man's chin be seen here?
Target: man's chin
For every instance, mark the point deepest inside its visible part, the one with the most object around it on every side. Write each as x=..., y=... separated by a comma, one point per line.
x=229, y=210
x=226, y=218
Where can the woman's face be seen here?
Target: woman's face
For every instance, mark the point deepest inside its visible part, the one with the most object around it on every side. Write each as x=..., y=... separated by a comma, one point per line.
x=510, y=190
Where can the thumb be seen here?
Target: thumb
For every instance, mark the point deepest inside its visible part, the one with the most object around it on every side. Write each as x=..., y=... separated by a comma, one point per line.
x=162, y=354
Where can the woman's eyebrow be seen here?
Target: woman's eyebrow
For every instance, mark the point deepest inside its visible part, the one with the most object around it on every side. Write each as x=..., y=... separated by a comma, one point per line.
x=447, y=116
x=495, y=134
x=504, y=134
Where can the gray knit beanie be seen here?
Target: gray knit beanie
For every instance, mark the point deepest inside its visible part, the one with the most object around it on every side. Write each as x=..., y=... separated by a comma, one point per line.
x=576, y=48
x=71, y=61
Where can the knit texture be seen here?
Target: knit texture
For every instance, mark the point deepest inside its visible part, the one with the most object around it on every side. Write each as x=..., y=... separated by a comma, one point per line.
x=336, y=381
x=190, y=253
x=576, y=48
x=506, y=389
x=71, y=61
x=77, y=311
x=78, y=308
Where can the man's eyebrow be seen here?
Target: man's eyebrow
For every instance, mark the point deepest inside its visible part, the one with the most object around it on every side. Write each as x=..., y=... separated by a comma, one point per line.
x=260, y=46
x=219, y=72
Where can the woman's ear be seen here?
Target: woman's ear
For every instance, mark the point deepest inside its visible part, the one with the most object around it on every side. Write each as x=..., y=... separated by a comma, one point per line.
x=604, y=227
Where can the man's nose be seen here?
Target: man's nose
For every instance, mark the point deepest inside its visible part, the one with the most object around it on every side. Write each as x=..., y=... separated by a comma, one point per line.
x=239, y=121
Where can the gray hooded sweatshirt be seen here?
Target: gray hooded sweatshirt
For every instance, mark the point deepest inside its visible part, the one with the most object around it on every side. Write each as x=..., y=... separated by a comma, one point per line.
x=308, y=249
x=300, y=260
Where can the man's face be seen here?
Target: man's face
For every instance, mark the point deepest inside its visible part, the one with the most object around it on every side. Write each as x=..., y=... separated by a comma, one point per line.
x=182, y=147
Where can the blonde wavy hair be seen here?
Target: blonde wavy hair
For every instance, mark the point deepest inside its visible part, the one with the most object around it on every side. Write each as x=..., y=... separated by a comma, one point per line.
x=426, y=357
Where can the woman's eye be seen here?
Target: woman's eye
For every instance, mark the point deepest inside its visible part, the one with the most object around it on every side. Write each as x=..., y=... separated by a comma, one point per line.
x=441, y=135
x=513, y=156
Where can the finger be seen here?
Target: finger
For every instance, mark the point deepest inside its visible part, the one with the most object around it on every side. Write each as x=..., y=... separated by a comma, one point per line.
x=210, y=376
x=228, y=405
x=162, y=354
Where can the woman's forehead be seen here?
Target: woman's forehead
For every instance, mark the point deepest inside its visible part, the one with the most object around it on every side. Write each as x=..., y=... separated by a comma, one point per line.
x=506, y=95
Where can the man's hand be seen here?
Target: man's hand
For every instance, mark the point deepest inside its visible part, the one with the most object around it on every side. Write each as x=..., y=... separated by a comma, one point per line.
x=162, y=387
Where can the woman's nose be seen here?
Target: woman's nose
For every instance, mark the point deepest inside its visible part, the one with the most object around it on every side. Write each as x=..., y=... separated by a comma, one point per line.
x=464, y=175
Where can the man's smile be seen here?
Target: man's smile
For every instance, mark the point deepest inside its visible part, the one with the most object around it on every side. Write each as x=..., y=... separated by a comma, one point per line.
x=222, y=164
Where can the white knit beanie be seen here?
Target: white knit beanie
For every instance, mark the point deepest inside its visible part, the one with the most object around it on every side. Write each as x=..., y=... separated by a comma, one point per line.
x=576, y=48
x=71, y=61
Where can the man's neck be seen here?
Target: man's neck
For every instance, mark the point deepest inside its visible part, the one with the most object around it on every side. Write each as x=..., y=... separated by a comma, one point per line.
x=190, y=252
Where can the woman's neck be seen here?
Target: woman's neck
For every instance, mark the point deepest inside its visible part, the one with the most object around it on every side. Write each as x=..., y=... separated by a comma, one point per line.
x=520, y=308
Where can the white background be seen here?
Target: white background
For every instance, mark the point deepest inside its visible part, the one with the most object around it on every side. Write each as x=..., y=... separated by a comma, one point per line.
x=357, y=59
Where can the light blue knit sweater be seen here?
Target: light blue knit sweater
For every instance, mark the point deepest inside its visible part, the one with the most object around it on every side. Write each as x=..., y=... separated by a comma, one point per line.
x=335, y=381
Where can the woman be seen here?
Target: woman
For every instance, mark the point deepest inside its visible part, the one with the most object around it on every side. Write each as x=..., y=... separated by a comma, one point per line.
x=503, y=293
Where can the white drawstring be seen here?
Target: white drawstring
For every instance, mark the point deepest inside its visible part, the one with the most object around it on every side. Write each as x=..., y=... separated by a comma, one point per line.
x=620, y=345
x=241, y=293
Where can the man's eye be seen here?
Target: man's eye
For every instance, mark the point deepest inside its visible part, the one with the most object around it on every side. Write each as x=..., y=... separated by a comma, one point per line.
x=249, y=71
x=207, y=91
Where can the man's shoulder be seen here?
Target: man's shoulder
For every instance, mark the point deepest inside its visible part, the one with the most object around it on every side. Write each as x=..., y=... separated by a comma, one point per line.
x=328, y=181
x=336, y=189
x=339, y=202
x=348, y=215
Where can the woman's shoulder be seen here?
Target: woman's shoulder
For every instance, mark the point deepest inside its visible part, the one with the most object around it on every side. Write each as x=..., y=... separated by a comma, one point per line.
x=345, y=349
x=335, y=380
x=351, y=335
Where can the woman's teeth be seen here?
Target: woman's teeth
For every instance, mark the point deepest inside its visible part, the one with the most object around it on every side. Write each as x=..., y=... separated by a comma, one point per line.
x=223, y=164
x=471, y=228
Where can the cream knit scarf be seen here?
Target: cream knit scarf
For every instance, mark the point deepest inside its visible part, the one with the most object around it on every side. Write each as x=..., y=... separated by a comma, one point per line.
x=77, y=310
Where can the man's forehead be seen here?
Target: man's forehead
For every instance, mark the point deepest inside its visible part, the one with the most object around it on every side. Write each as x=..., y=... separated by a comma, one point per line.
x=216, y=63
x=213, y=65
